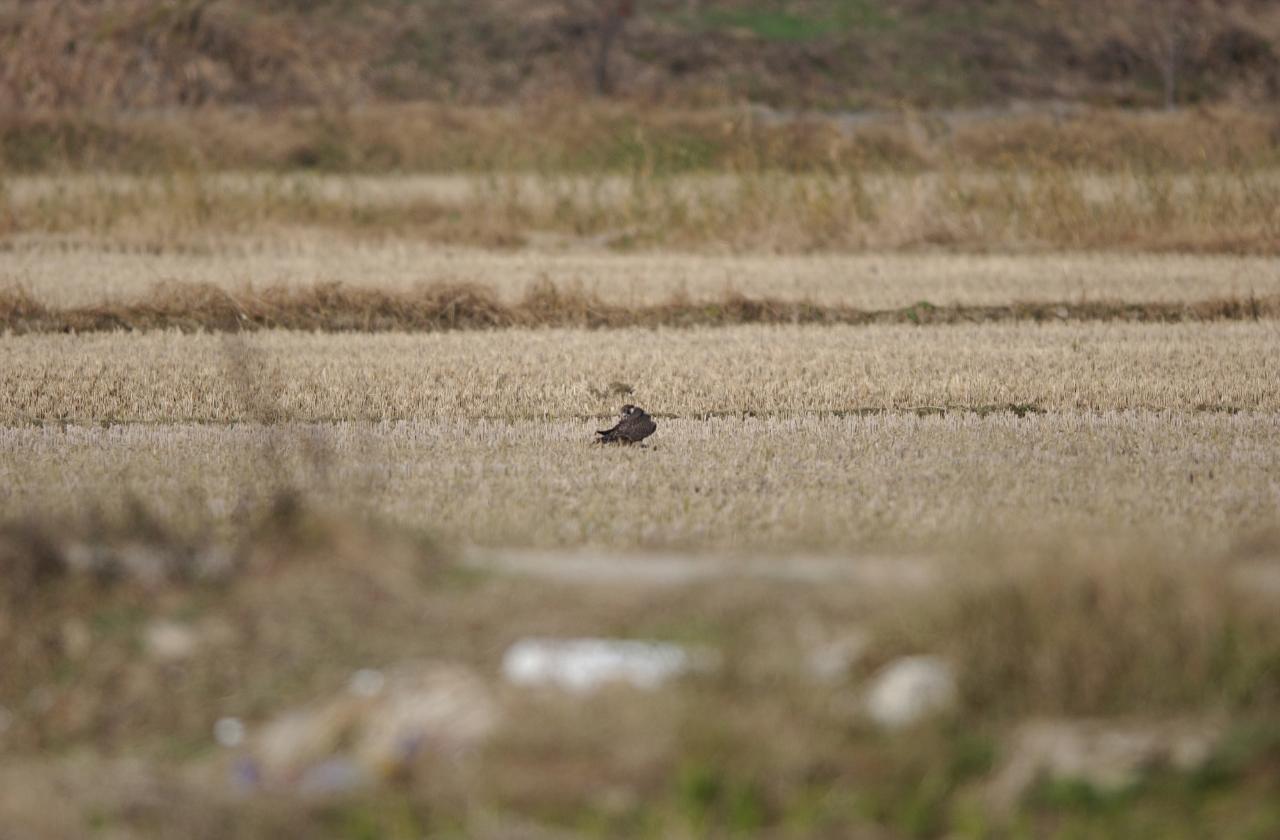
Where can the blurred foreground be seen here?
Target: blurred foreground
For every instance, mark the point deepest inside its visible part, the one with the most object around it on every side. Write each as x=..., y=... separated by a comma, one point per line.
x=314, y=675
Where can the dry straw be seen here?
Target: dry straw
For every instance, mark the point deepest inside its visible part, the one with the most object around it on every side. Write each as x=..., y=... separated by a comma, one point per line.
x=335, y=308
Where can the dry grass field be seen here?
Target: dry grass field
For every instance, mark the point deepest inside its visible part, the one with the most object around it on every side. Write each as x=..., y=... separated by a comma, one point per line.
x=66, y=274
x=826, y=371
x=1047, y=208
x=1024, y=421
x=813, y=481
x=962, y=515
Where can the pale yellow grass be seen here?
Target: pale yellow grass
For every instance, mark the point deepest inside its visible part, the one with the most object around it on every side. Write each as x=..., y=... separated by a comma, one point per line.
x=810, y=482
x=752, y=211
x=547, y=192
x=66, y=274
x=561, y=373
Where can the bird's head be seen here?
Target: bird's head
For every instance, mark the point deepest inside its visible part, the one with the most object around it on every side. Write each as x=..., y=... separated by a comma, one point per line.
x=628, y=410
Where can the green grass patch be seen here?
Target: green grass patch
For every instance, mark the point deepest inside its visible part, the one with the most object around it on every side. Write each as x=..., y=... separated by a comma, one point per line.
x=785, y=21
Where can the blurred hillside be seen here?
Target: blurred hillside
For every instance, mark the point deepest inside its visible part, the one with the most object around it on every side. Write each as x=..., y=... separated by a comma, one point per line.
x=109, y=54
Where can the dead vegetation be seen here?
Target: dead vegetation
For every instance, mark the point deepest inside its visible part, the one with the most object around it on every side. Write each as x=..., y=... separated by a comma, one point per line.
x=110, y=721
x=594, y=138
x=392, y=306
x=334, y=308
x=1098, y=632
x=62, y=275
x=132, y=54
x=158, y=586
x=756, y=211
x=779, y=371
x=803, y=480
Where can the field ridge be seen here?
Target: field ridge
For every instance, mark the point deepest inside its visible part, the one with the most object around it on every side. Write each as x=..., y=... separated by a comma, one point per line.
x=336, y=308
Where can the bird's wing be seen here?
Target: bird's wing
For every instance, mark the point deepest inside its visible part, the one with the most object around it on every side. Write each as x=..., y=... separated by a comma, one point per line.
x=636, y=426
x=648, y=427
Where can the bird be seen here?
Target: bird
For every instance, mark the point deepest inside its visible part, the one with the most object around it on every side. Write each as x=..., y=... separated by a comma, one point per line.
x=634, y=427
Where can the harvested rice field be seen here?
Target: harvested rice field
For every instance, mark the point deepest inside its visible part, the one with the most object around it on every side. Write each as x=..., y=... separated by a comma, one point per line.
x=300, y=496
x=64, y=274
x=809, y=480
x=820, y=371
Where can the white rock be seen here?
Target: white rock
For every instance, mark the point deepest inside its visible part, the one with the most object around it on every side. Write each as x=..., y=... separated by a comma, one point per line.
x=170, y=641
x=446, y=710
x=909, y=690
x=229, y=732
x=289, y=743
x=1109, y=755
x=378, y=725
x=584, y=665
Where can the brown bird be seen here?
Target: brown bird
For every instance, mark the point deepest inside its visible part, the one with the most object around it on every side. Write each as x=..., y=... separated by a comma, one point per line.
x=634, y=427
